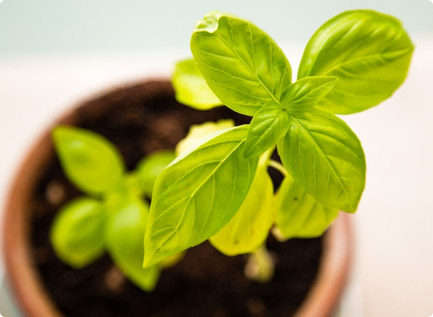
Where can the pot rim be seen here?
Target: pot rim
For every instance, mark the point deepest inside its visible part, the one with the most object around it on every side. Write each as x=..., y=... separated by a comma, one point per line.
x=25, y=281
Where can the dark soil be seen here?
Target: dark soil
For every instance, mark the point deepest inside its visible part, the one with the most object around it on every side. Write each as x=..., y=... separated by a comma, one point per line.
x=139, y=120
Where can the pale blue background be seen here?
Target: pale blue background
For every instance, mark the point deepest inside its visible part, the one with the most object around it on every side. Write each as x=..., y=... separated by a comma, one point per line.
x=59, y=26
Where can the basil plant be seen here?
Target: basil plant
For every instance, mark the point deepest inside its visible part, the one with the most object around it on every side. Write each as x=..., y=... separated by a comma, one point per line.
x=219, y=188
x=216, y=186
x=112, y=216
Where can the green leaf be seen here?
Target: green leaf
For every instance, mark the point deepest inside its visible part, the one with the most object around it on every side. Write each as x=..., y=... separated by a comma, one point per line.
x=300, y=215
x=268, y=126
x=369, y=52
x=150, y=167
x=324, y=155
x=89, y=160
x=77, y=232
x=198, y=131
x=191, y=88
x=305, y=94
x=250, y=226
x=260, y=266
x=198, y=194
x=124, y=232
x=243, y=66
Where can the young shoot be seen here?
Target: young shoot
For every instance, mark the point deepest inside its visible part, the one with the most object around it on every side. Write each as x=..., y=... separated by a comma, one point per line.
x=219, y=189
x=216, y=186
x=111, y=216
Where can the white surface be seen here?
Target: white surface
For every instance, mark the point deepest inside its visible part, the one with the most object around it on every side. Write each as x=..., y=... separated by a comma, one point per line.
x=393, y=275
x=395, y=217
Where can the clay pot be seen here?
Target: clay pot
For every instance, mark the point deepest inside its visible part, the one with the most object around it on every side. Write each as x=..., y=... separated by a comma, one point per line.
x=31, y=295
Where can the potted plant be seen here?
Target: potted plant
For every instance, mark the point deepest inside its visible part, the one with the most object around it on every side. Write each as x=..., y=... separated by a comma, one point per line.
x=216, y=186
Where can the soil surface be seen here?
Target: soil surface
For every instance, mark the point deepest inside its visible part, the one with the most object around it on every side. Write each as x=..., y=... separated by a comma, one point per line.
x=141, y=119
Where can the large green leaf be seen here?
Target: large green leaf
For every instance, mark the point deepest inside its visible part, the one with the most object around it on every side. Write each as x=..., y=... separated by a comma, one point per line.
x=300, y=215
x=150, y=167
x=77, y=232
x=324, y=155
x=306, y=93
x=368, y=51
x=198, y=194
x=89, y=160
x=124, y=232
x=249, y=228
x=268, y=126
x=243, y=66
x=191, y=88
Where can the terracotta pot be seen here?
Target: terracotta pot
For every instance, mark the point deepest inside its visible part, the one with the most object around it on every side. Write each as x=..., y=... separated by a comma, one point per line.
x=31, y=295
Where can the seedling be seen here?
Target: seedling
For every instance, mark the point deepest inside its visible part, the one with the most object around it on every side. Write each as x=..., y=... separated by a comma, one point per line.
x=218, y=187
x=112, y=217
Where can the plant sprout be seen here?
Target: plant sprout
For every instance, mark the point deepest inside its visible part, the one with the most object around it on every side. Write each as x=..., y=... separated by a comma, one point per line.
x=352, y=63
x=112, y=217
x=216, y=185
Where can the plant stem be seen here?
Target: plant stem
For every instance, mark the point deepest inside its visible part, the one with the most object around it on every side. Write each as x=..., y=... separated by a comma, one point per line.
x=278, y=167
x=260, y=266
x=266, y=157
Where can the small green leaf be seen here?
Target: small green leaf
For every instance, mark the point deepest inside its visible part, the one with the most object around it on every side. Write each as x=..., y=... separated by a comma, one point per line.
x=89, y=160
x=305, y=94
x=198, y=194
x=250, y=226
x=300, y=215
x=369, y=52
x=243, y=66
x=150, y=167
x=198, y=131
x=324, y=155
x=124, y=232
x=77, y=232
x=191, y=88
x=268, y=126
x=260, y=266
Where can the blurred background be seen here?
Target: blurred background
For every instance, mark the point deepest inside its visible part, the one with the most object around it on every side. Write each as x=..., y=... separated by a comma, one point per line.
x=54, y=53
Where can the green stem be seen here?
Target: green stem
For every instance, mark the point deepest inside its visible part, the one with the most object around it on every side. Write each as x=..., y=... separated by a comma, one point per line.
x=260, y=266
x=276, y=165
x=266, y=156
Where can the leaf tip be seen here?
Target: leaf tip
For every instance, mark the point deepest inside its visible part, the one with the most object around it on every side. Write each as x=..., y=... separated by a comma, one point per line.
x=352, y=206
x=63, y=134
x=59, y=131
x=147, y=261
x=149, y=258
x=209, y=23
x=351, y=209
